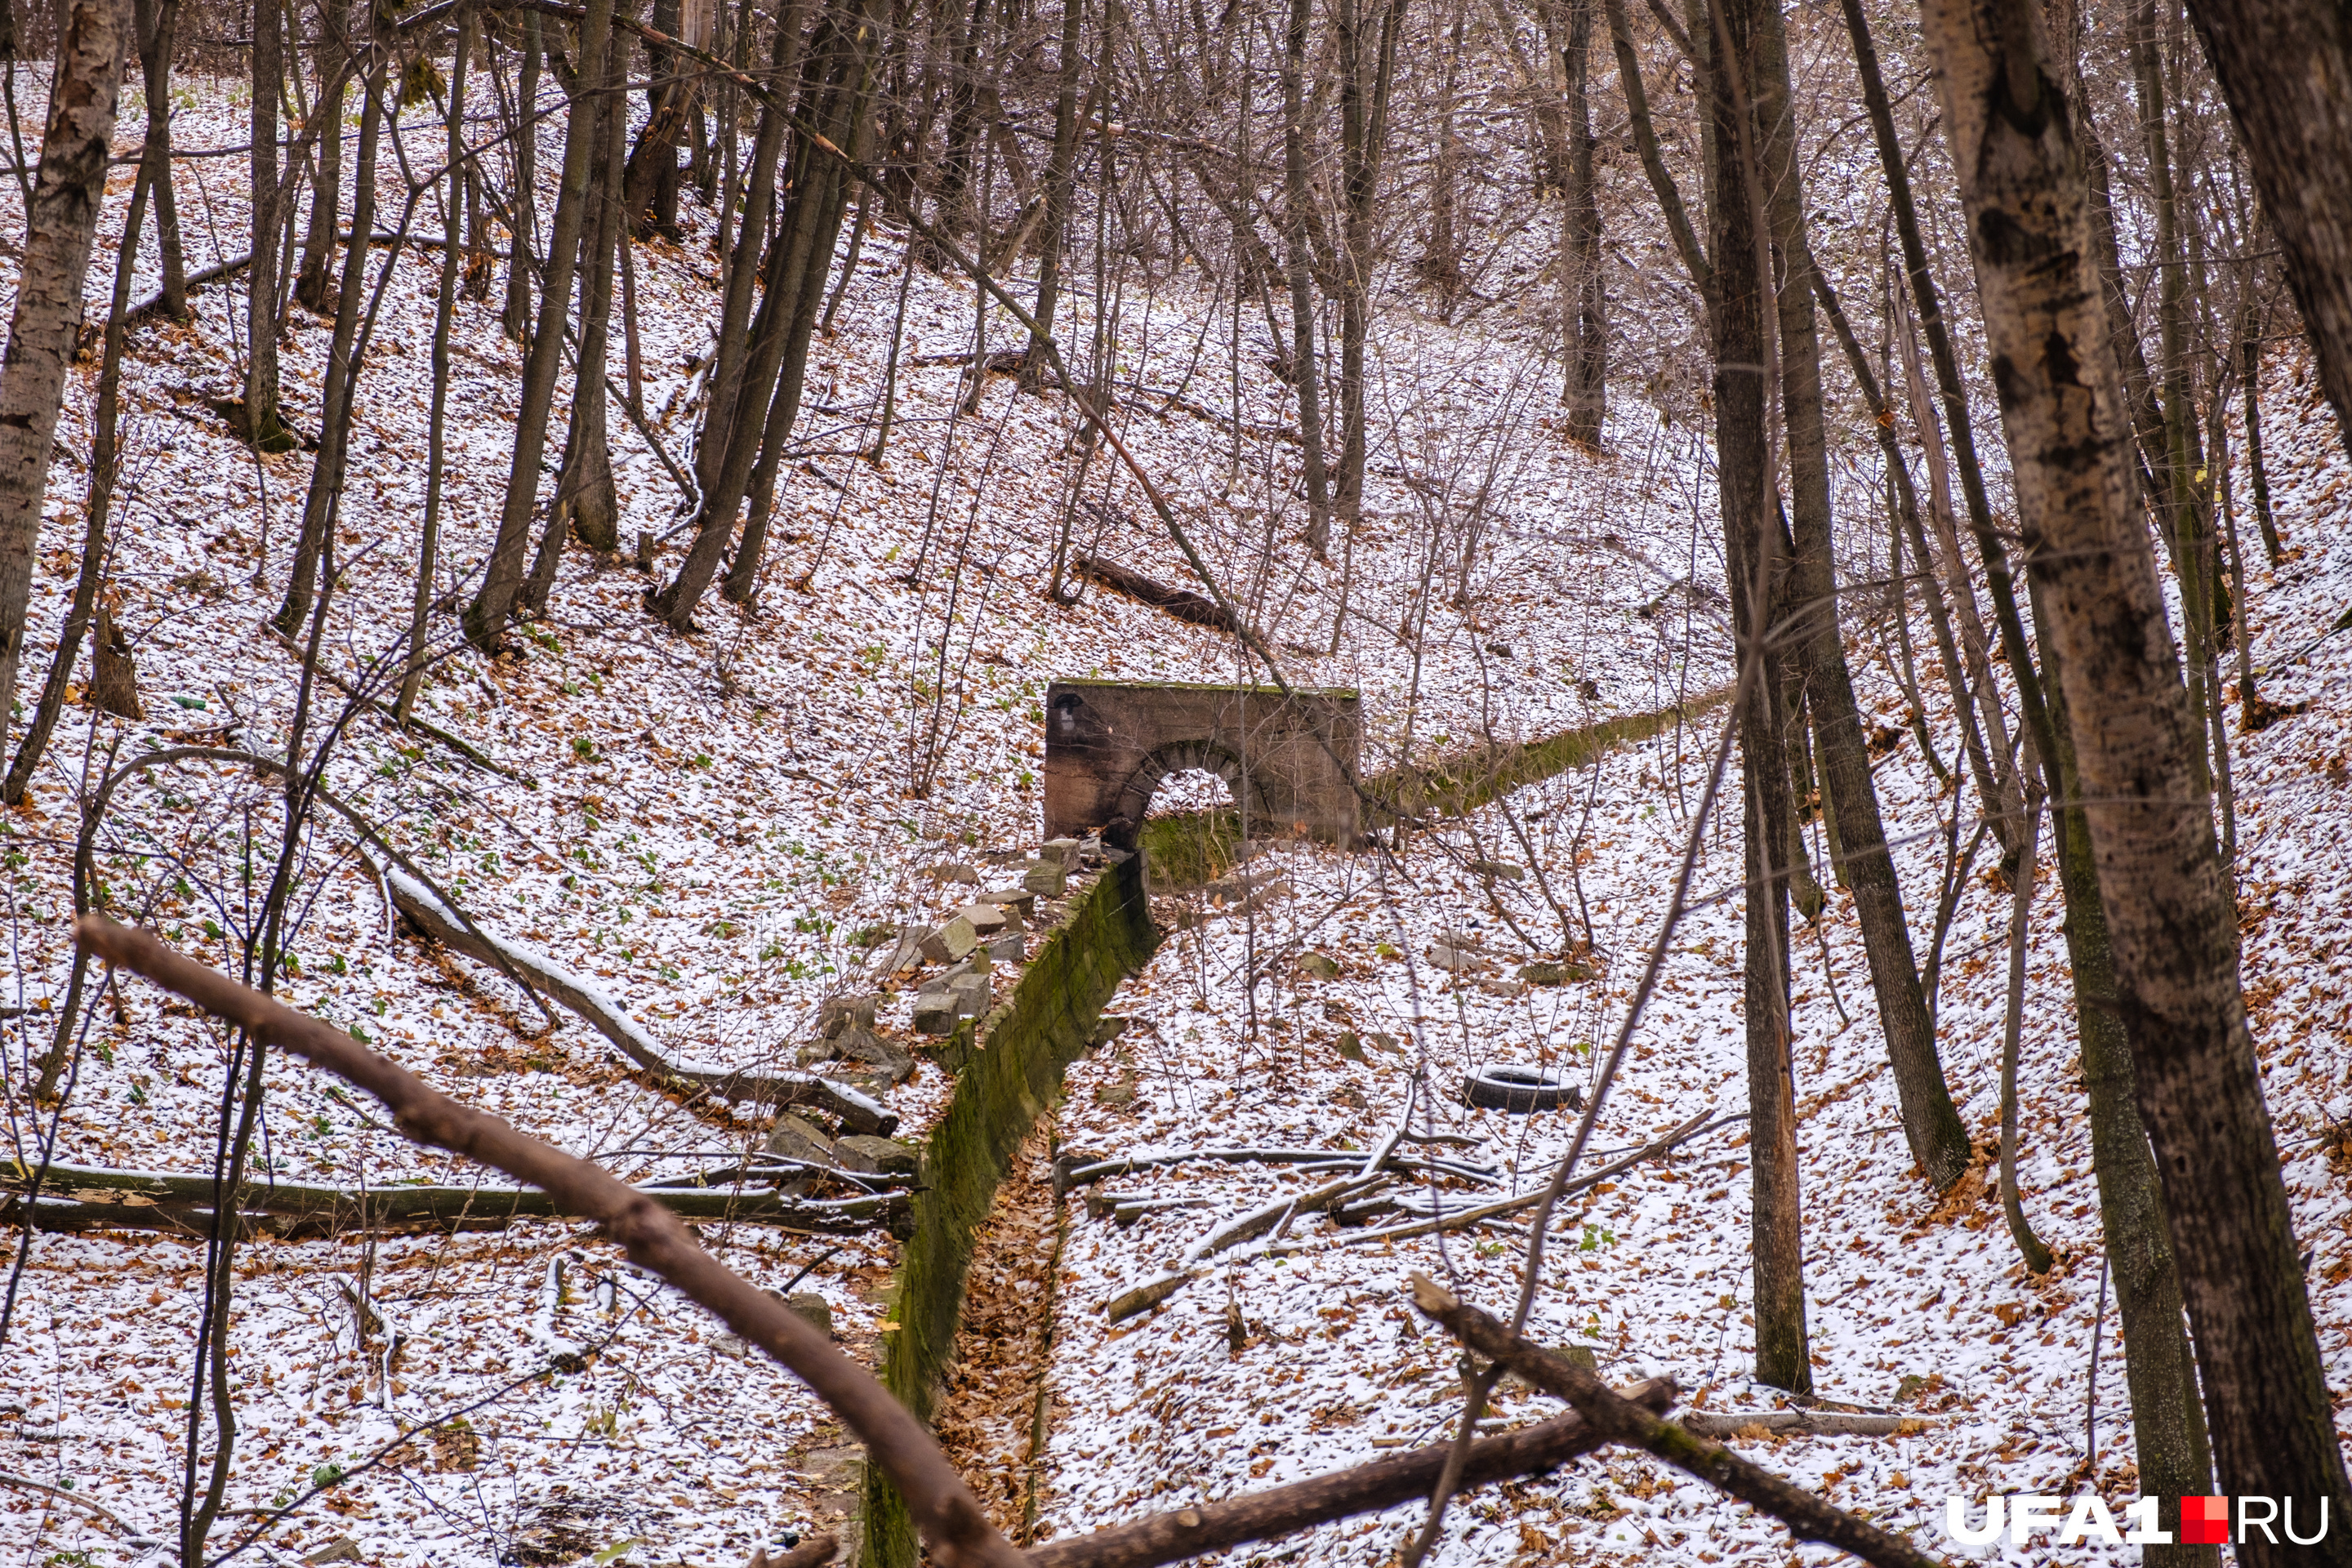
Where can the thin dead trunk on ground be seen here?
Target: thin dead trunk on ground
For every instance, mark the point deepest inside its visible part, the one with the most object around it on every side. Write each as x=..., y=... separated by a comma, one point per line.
x=2172, y=919
x=1930, y=1125
x=502, y=577
x=46, y=317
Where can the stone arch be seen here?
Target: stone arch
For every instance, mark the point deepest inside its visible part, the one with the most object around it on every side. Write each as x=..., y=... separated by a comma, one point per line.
x=1188, y=756
x=1290, y=757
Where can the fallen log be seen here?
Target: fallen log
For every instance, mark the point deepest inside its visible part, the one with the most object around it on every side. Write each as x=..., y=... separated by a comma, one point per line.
x=93, y=1197
x=1366, y=1489
x=1181, y=602
x=1617, y=1419
x=602, y=1012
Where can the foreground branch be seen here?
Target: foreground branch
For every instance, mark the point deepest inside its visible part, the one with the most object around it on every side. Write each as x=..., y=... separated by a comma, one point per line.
x=959, y=1534
x=1367, y=1488
x=1618, y=1420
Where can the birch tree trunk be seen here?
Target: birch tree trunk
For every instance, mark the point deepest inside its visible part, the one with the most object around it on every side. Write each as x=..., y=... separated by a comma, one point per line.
x=47, y=319
x=2172, y=921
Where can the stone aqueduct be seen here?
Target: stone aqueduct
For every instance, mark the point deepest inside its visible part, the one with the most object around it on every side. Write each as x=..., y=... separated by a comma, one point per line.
x=1290, y=760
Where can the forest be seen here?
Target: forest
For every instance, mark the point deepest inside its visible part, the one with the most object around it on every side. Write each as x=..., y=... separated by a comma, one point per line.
x=1099, y=783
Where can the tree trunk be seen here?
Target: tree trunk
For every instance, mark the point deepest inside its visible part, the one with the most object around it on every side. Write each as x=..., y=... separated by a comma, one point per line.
x=744, y=271
x=2257, y=480
x=158, y=22
x=1061, y=177
x=1750, y=546
x=587, y=504
x=1306, y=369
x=1586, y=390
x=835, y=86
x=263, y=428
x=1931, y=1126
x=104, y=452
x=445, y=304
x=2173, y=465
x=323, y=504
x=2172, y=919
x=2283, y=65
x=1367, y=66
x=46, y=317
x=486, y=617
x=515, y=319
x=310, y=284
x=2169, y=1439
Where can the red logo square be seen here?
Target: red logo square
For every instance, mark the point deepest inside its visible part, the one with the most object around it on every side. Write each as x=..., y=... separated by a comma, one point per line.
x=2205, y=1520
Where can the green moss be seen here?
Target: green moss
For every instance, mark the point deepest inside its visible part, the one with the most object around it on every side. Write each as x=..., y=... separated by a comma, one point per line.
x=1014, y=1072
x=1462, y=784
x=1187, y=848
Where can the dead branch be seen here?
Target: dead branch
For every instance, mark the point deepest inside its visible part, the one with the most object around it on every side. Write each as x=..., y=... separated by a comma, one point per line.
x=1672, y=1139
x=942, y=1508
x=1618, y=1420
x=463, y=748
x=1366, y=1489
x=441, y=922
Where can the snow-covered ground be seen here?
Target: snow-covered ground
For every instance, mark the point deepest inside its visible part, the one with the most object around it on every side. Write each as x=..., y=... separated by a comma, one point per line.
x=1915, y=1307
x=710, y=822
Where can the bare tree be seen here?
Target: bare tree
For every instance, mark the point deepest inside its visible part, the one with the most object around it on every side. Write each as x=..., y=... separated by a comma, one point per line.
x=2172, y=919
x=42, y=327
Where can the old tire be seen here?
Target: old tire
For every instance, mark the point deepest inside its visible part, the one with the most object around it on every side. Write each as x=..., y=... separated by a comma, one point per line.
x=1520, y=1089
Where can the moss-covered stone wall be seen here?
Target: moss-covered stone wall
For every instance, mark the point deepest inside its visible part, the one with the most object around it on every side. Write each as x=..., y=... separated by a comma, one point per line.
x=1012, y=1072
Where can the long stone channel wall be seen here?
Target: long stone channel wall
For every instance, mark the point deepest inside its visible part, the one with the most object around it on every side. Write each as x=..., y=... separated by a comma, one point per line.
x=1009, y=1072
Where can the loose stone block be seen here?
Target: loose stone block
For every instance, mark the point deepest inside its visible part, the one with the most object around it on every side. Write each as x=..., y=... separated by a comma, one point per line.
x=835, y=1014
x=987, y=920
x=1047, y=879
x=1012, y=947
x=797, y=1138
x=952, y=943
x=874, y=1156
